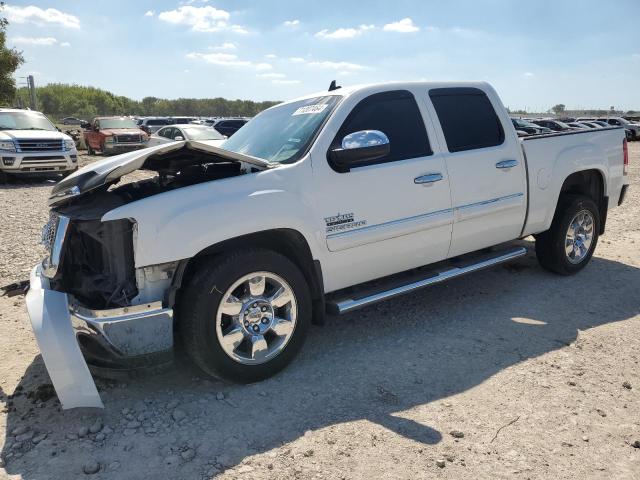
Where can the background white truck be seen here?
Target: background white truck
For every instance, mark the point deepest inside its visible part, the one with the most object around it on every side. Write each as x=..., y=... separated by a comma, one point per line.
x=330, y=202
x=31, y=145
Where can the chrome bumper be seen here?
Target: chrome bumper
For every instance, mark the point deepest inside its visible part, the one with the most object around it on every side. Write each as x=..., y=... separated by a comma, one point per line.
x=65, y=333
x=121, y=147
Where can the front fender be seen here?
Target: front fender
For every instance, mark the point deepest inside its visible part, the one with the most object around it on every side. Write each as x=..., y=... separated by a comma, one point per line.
x=178, y=224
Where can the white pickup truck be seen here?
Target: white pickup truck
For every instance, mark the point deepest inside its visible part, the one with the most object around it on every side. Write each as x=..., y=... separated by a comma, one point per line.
x=327, y=203
x=31, y=145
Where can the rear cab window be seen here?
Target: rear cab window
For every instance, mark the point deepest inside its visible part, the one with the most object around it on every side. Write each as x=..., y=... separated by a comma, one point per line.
x=394, y=113
x=467, y=118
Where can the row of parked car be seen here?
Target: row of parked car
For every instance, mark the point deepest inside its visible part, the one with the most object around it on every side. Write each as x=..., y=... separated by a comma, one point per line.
x=541, y=126
x=122, y=134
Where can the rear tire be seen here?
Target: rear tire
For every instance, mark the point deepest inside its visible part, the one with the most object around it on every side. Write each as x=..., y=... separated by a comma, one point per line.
x=90, y=150
x=219, y=304
x=567, y=247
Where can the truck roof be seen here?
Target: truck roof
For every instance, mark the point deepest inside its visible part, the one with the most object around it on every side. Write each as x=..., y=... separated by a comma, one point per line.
x=350, y=90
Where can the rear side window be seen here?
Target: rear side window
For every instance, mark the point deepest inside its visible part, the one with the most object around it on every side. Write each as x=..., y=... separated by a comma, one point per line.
x=467, y=118
x=395, y=114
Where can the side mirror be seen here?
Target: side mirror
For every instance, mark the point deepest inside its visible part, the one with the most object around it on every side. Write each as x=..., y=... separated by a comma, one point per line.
x=359, y=148
x=178, y=138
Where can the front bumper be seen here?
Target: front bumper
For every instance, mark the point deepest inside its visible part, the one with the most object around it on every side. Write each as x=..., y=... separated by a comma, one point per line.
x=72, y=339
x=38, y=162
x=123, y=147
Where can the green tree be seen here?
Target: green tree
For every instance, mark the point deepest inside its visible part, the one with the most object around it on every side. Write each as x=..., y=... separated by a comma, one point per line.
x=10, y=60
x=558, y=109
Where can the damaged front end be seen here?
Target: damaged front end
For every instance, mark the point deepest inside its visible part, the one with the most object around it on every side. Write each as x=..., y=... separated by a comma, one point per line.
x=90, y=307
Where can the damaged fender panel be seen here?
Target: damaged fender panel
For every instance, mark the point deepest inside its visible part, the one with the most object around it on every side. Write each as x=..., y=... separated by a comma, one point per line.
x=51, y=322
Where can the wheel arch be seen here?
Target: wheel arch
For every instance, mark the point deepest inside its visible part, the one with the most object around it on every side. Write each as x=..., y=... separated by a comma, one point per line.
x=286, y=241
x=591, y=183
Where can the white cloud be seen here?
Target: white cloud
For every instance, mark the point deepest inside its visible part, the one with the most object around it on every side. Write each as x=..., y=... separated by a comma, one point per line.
x=527, y=74
x=402, y=26
x=270, y=55
x=343, y=33
x=341, y=66
x=65, y=44
x=149, y=13
x=201, y=19
x=39, y=16
x=263, y=66
x=226, y=46
x=296, y=59
x=291, y=23
x=228, y=60
x=285, y=82
x=46, y=41
x=272, y=75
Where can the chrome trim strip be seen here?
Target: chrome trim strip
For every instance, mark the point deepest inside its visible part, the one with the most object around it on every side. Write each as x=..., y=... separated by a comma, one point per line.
x=405, y=221
x=488, y=202
x=350, y=304
x=392, y=229
x=390, y=223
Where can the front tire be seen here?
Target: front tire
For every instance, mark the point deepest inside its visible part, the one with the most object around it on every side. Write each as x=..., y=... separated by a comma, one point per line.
x=244, y=316
x=567, y=247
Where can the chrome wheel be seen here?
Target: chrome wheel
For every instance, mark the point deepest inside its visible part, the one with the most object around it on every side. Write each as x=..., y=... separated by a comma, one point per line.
x=579, y=236
x=256, y=318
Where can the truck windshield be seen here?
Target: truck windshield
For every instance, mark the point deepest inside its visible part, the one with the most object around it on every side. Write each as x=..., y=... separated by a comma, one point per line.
x=117, y=123
x=25, y=121
x=283, y=133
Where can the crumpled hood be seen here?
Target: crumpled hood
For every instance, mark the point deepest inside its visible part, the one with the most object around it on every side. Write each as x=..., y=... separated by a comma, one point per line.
x=111, y=169
x=32, y=135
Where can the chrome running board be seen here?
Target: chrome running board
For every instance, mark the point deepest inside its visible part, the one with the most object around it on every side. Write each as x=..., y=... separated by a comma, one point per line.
x=358, y=297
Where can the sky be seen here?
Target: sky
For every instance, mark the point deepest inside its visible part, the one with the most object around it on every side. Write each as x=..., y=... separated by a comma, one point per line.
x=536, y=54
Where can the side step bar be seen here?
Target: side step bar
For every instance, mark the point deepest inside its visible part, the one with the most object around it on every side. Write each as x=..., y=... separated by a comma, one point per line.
x=344, y=303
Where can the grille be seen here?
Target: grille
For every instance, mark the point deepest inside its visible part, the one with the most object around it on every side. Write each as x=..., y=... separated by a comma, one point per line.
x=49, y=231
x=131, y=138
x=43, y=161
x=39, y=145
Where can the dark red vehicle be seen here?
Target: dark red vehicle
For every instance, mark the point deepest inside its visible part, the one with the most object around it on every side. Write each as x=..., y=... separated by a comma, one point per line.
x=111, y=135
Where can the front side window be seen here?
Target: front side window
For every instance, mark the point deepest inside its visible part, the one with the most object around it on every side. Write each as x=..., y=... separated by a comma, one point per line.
x=282, y=134
x=467, y=118
x=395, y=114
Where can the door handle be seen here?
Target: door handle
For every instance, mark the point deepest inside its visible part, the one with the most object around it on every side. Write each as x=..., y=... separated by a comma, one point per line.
x=507, y=164
x=428, y=178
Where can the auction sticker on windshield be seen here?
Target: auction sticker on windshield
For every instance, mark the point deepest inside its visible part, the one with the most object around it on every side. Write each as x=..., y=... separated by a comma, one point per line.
x=310, y=109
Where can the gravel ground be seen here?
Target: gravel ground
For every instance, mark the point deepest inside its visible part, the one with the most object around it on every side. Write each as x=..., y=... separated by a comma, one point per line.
x=508, y=373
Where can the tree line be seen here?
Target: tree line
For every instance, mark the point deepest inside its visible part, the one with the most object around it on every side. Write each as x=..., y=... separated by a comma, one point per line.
x=60, y=100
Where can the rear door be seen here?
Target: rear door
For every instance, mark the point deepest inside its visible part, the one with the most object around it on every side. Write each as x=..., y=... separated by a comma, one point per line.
x=486, y=169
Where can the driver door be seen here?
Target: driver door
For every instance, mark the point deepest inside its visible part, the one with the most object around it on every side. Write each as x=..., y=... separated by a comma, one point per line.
x=393, y=213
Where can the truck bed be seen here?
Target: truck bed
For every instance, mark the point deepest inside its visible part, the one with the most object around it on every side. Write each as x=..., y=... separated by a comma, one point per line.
x=551, y=159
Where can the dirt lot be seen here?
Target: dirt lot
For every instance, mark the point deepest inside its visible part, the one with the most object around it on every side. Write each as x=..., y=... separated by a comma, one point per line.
x=508, y=373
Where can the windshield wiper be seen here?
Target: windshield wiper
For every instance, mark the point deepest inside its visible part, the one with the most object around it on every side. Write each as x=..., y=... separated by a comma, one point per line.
x=35, y=128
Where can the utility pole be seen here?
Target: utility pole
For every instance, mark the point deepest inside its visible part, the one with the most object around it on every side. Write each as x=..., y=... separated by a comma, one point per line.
x=31, y=85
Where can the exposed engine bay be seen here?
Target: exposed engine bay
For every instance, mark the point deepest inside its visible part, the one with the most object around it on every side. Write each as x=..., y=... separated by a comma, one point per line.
x=97, y=264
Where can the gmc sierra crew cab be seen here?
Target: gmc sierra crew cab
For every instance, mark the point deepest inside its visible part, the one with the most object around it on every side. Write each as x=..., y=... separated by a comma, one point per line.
x=327, y=203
